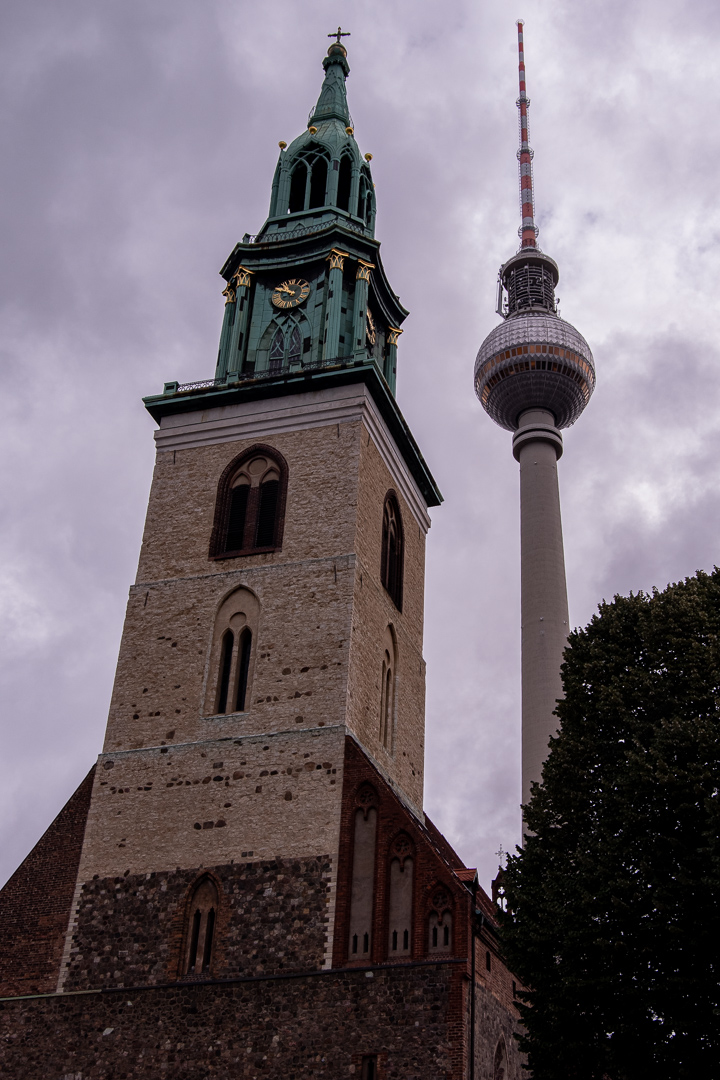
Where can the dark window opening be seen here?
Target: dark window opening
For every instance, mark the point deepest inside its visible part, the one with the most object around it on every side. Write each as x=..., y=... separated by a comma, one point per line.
x=368, y=208
x=344, y=183
x=237, y=517
x=355, y=943
x=369, y=1067
x=298, y=184
x=391, y=568
x=434, y=935
x=243, y=668
x=446, y=935
x=394, y=940
x=267, y=513
x=366, y=942
x=225, y=665
x=201, y=928
x=406, y=939
x=194, y=940
x=209, y=930
x=250, y=506
x=488, y=962
x=318, y=182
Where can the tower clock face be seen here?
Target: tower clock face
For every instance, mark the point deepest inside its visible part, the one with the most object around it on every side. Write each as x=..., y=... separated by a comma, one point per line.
x=291, y=293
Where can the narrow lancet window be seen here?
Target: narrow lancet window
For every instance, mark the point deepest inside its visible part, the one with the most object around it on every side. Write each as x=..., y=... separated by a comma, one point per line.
x=318, y=183
x=393, y=550
x=245, y=649
x=297, y=188
x=229, y=685
x=226, y=658
x=344, y=183
x=200, y=934
x=363, y=875
x=401, y=897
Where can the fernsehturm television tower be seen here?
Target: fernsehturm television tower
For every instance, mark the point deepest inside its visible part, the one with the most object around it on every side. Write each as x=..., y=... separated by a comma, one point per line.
x=534, y=375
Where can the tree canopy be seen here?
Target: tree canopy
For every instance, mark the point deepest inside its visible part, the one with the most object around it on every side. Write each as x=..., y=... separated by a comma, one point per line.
x=613, y=914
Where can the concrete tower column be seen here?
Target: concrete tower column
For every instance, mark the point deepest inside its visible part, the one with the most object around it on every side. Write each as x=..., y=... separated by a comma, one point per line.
x=537, y=446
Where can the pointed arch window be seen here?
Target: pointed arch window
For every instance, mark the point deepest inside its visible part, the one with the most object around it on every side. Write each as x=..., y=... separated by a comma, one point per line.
x=387, y=690
x=440, y=922
x=277, y=352
x=286, y=343
x=363, y=874
x=401, y=874
x=231, y=654
x=250, y=504
x=500, y=1064
x=201, y=922
x=393, y=550
x=344, y=182
x=298, y=183
x=308, y=182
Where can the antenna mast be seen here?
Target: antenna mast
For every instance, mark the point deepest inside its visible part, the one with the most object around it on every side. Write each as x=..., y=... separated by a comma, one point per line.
x=528, y=230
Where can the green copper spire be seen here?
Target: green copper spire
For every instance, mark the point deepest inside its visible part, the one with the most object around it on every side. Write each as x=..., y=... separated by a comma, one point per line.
x=332, y=103
x=322, y=176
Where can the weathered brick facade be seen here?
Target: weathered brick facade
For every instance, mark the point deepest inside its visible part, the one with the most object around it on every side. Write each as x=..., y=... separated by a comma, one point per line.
x=36, y=902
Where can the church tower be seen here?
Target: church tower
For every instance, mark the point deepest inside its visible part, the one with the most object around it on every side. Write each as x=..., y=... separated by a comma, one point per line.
x=249, y=868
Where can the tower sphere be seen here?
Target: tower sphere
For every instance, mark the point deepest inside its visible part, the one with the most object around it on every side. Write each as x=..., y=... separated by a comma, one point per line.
x=534, y=359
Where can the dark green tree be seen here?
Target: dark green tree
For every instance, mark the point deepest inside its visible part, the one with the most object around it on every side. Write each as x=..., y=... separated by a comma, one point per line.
x=614, y=901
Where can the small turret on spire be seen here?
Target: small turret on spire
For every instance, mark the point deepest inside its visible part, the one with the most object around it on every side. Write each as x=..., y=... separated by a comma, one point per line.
x=528, y=230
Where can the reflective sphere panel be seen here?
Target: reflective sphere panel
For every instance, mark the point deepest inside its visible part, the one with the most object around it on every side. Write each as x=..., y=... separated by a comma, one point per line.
x=534, y=362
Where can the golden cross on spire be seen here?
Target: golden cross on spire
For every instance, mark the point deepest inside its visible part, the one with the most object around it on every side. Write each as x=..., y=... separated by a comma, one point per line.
x=337, y=34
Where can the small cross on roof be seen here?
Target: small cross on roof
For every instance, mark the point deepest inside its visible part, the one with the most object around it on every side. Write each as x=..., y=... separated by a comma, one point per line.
x=337, y=34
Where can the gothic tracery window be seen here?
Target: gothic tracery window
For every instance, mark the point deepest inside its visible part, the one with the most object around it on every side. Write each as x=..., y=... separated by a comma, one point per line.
x=249, y=509
x=393, y=550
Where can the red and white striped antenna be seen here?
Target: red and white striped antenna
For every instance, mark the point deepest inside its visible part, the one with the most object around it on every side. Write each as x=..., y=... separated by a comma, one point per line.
x=528, y=230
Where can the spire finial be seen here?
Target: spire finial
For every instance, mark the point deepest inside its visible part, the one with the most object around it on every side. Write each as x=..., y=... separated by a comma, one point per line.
x=528, y=230
x=337, y=34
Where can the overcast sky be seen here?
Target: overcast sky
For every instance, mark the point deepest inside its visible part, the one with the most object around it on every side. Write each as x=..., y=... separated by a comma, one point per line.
x=139, y=139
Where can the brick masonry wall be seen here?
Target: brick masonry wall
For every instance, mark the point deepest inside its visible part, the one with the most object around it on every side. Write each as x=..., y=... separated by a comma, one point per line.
x=320, y=599
x=493, y=1023
x=373, y=611
x=281, y=1029
x=129, y=931
x=205, y=803
x=35, y=903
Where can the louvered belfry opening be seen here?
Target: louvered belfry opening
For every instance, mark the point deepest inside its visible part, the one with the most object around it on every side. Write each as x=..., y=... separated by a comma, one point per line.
x=391, y=569
x=250, y=505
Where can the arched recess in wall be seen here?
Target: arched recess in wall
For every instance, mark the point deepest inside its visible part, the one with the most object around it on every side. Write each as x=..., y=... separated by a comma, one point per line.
x=401, y=872
x=250, y=504
x=200, y=930
x=232, y=654
x=392, y=558
x=362, y=889
x=500, y=1063
x=440, y=921
x=388, y=686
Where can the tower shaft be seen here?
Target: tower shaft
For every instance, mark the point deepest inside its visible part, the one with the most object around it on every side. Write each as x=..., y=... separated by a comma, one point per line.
x=544, y=609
